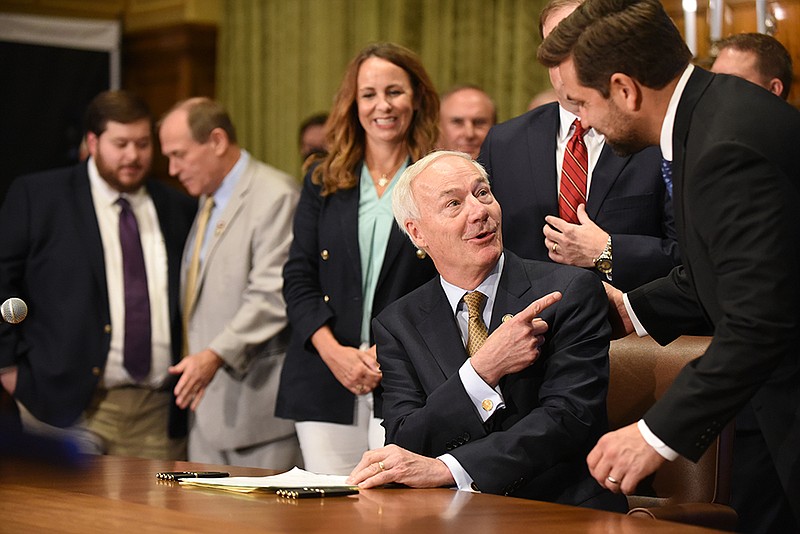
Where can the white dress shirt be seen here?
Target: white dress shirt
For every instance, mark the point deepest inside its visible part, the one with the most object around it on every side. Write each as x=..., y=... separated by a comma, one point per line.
x=216, y=224
x=593, y=140
x=104, y=198
x=477, y=390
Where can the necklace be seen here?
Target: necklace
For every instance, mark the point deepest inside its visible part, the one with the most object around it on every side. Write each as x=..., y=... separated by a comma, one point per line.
x=386, y=177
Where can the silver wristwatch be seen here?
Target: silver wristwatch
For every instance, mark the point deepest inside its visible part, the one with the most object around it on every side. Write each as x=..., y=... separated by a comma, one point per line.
x=603, y=263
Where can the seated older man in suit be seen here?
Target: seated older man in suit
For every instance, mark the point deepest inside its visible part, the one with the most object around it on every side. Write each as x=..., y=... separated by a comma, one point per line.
x=510, y=410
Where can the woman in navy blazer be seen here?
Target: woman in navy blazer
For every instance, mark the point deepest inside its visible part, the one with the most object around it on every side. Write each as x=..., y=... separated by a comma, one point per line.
x=348, y=259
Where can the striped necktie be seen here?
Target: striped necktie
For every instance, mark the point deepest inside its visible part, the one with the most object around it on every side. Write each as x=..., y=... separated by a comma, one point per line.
x=574, y=174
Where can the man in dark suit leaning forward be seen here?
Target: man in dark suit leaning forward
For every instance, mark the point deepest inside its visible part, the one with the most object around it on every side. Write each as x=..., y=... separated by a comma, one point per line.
x=513, y=415
x=736, y=183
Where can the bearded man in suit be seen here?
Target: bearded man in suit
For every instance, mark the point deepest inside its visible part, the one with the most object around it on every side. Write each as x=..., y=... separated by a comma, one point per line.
x=736, y=189
x=89, y=363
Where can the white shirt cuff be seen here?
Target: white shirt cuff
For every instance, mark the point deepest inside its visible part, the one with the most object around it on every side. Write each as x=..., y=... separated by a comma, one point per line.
x=485, y=398
x=653, y=440
x=640, y=330
x=462, y=478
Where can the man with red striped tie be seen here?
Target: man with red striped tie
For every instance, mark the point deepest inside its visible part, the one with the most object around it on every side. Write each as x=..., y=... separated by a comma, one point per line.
x=597, y=210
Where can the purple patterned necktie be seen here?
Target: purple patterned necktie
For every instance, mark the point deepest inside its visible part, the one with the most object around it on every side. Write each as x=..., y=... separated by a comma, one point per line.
x=137, y=348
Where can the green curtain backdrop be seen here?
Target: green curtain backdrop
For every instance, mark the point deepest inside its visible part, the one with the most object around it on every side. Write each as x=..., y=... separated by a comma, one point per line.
x=282, y=60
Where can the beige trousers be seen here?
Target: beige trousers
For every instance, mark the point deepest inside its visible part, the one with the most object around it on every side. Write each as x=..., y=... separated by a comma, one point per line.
x=124, y=421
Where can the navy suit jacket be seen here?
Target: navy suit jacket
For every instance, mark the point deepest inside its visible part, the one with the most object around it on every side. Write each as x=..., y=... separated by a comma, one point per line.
x=322, y=285
x=737, y=191
x=51, y=255
x=626, y=197
x=555, y=409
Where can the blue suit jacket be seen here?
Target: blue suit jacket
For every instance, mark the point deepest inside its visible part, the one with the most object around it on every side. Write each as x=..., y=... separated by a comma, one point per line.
x=51, y=255
x=626, y=197
x=322, y=285
x=555, y=409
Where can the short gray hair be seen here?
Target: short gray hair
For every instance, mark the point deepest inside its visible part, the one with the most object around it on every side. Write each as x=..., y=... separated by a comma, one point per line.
x=404, y=206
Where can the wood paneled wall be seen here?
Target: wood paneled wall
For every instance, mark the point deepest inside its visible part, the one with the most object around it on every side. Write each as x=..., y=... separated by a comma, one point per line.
x=169, y=47
x=739, y=17
x=167, y=64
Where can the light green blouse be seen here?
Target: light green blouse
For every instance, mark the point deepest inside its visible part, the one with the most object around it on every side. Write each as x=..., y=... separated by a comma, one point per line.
x=375, y=222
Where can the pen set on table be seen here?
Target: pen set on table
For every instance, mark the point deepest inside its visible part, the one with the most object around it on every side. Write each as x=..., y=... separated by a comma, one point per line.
x=291, y=492
x=304, y=493
x=178, y=475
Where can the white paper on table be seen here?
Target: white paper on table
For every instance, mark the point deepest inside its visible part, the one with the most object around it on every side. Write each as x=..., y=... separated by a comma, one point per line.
x=295, y=478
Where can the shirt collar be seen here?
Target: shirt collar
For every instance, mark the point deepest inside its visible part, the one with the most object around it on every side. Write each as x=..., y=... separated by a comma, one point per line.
x=566, y=118
x=668, y=125
x=225, y=189
x=488, y=287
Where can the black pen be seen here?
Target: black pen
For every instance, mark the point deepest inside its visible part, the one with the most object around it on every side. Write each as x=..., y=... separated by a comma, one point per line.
x=178, y=475
x=304, y=493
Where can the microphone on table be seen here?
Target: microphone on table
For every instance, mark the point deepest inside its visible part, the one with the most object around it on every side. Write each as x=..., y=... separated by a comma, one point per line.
x=14, y=310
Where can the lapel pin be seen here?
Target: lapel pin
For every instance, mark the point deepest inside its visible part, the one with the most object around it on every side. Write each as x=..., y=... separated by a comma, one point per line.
x=507, y=316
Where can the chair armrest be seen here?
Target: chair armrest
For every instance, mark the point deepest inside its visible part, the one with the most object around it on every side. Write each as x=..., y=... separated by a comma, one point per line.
x=710, y=515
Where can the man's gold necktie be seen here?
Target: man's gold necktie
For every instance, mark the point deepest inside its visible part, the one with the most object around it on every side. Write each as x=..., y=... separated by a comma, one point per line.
x=476, y=328
x=194, y=264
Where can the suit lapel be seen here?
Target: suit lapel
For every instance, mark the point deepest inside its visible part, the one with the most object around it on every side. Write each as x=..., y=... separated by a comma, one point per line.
x=396, y=243
x=231, y=212
x=88, y=227
x=698, y=81
x=512, y=291
x=345, y=203
x=541, y=150
x=605, y=173
x=513, y=296
x=173, y=245
x=439, y=331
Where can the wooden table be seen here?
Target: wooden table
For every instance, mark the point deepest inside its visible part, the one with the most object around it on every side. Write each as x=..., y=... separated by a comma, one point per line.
x=116, y=494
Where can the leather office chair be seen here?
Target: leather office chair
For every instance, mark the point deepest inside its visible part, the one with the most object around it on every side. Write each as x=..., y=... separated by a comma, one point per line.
x=640, y=372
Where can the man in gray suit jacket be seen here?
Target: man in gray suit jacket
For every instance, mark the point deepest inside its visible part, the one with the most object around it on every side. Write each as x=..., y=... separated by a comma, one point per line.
x=234, y=313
